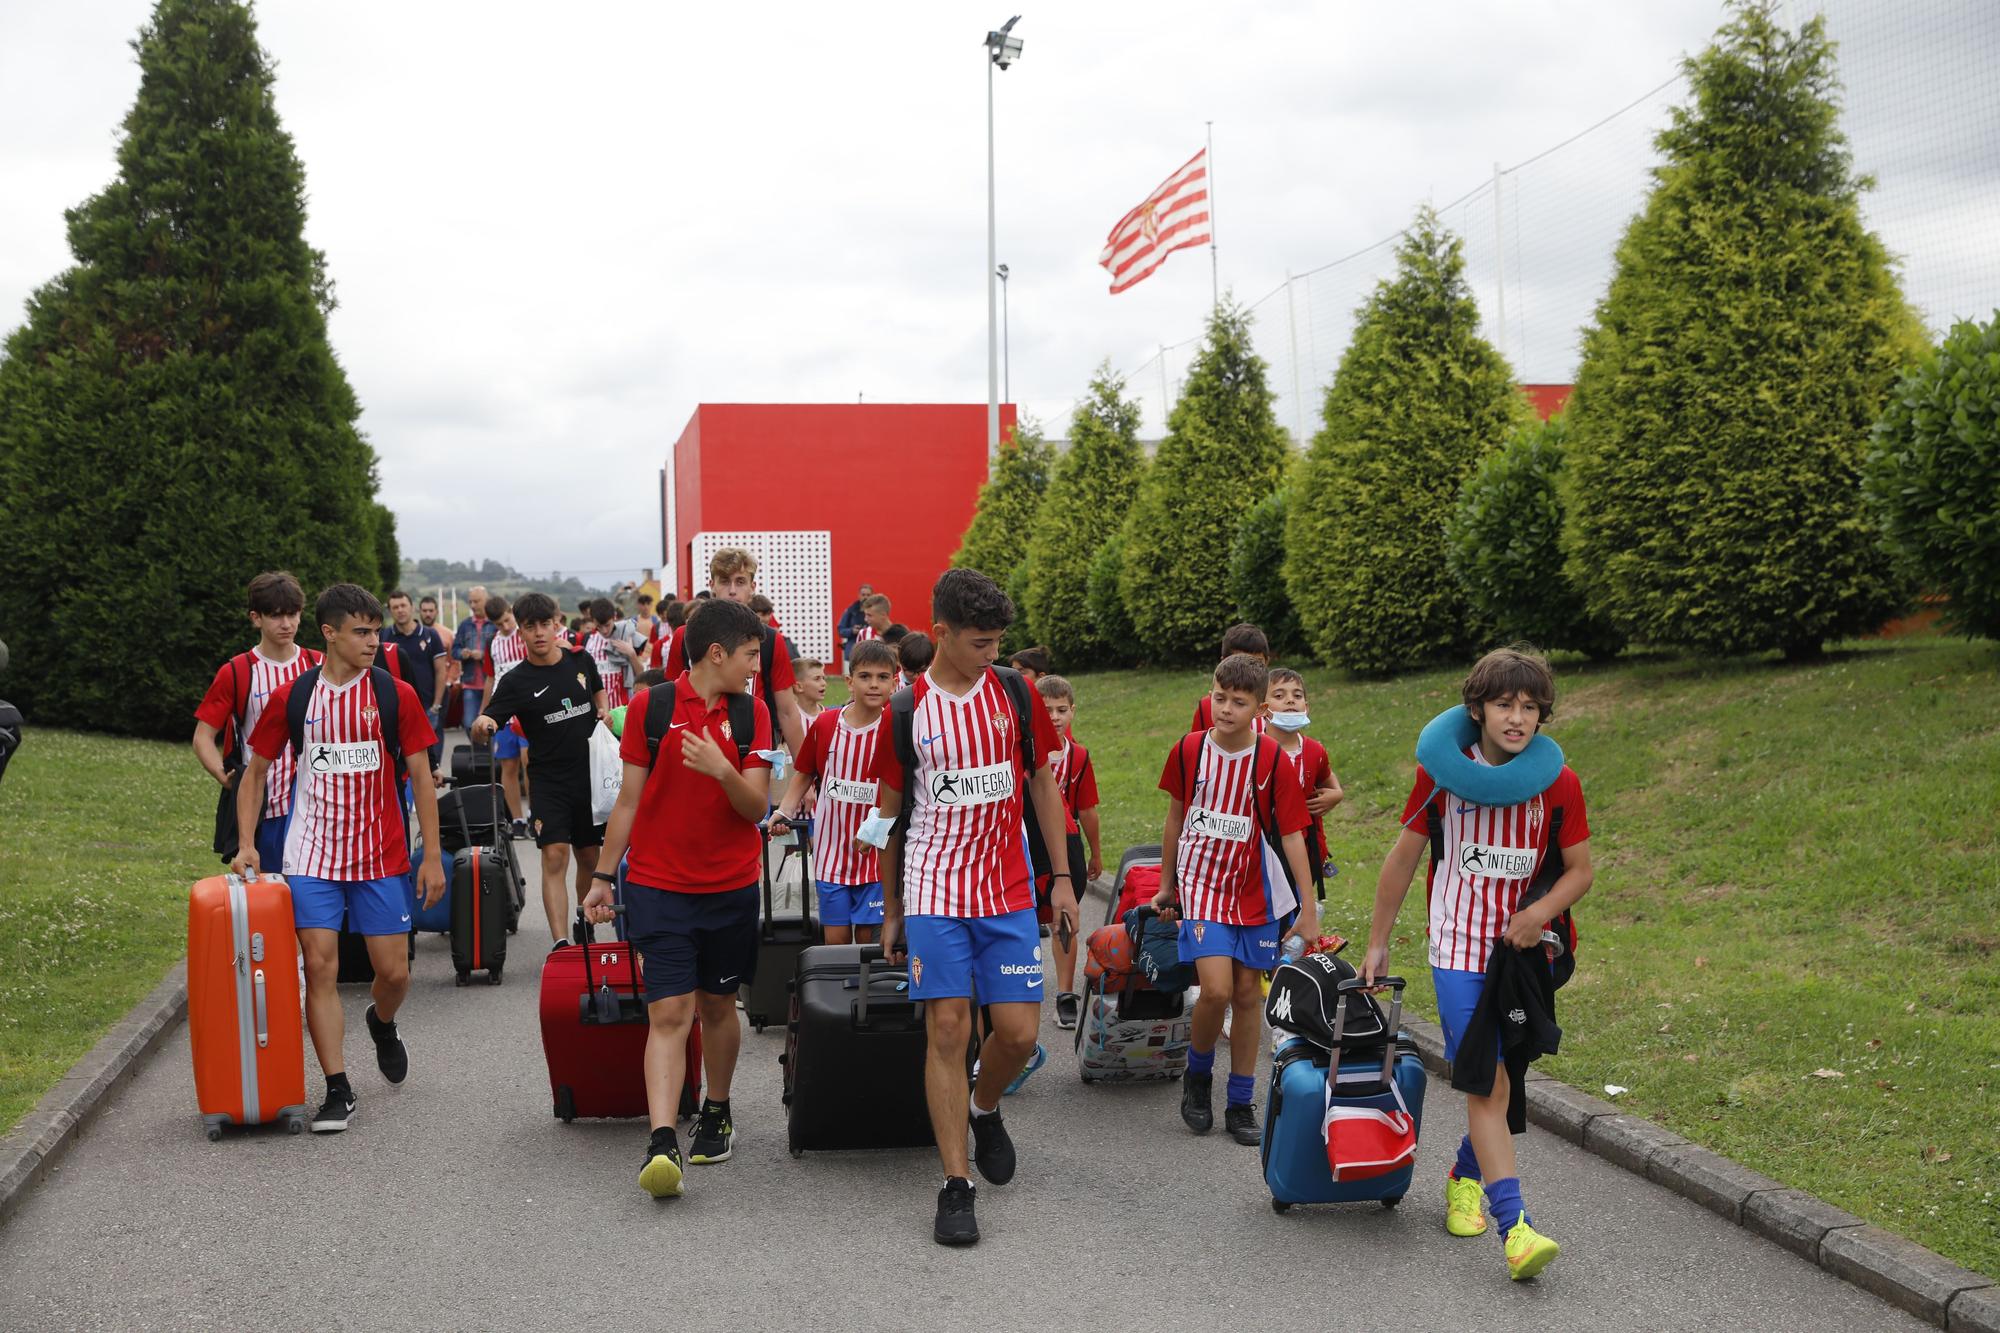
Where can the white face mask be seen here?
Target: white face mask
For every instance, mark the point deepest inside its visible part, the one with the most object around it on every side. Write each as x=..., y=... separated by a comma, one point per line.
x=1291, y=721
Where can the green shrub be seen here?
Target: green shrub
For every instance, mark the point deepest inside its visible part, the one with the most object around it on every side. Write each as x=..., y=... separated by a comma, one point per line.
x=1934, y=474
x=1107, y=604
x=1224, y=452
x=1257, y=575
x=172, y=418
x=997, y=538
x=1418, y=399
x=1094, y=482
x=1022, y=632
x=1734, y=369
x=1504, y=546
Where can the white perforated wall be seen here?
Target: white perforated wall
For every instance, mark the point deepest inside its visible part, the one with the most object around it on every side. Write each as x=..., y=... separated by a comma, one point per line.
x=794, y=570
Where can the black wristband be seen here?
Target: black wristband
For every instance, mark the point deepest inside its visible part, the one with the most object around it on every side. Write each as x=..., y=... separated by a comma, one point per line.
x=608, y=879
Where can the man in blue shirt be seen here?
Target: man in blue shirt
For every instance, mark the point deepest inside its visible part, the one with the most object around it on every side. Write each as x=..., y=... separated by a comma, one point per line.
x=422, y=650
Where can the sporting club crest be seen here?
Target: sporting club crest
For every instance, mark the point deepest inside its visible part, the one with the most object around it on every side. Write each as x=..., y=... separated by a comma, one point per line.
x=916, y=970
x=1200, y=929
x=727, y=734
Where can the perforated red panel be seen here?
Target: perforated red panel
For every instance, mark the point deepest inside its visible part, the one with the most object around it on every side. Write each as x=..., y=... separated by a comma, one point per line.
x=794, y=570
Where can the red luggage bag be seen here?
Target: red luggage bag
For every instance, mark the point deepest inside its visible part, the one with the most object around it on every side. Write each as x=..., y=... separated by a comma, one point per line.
x=244, y=1022
x=594, y=1029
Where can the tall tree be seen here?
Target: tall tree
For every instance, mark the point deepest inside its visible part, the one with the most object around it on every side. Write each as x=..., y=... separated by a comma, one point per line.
x=1417, y=400
x=172, y=418
x=1088, y=496
x=997, y=538
x=1224, y=452
x=1750, y=335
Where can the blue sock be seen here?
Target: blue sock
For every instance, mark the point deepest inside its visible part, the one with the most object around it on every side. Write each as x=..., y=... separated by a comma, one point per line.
x=1201, y=1062
x=1242, y=1087
x=1468, y=1161
x=1504, y=1198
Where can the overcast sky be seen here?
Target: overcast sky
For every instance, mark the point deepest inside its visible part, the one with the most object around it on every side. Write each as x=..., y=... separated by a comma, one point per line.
x=555, y=230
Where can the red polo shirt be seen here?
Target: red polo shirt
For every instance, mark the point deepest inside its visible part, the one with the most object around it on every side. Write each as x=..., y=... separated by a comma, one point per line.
x=687, y=837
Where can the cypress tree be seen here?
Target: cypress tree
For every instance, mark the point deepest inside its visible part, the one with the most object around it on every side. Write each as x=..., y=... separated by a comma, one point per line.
x=1256, y=575
x=997, y=538
x=172, y=419
x=1087, y=499
x=1749, y=338
x=1417, y=400
x=1224, y=452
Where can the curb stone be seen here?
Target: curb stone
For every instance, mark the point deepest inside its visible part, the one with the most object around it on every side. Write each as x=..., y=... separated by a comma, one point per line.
x=65, y=1112
x=1900, y=1271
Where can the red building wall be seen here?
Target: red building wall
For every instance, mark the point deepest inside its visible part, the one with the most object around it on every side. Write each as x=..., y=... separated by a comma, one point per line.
x=1547, y=399
x=895, y=483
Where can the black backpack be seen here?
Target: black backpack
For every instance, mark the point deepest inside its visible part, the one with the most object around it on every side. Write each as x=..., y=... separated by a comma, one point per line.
x=903, y=729
x=1563, y=927
x=388, y=718
x=11, y=724
x=742, y=724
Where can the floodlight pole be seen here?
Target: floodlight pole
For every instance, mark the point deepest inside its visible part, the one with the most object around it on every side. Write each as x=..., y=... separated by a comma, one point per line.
x=1006, y=350
x=992, y=279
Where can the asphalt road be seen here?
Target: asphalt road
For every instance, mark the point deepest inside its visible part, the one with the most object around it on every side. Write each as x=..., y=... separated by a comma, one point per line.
x=459, y=1201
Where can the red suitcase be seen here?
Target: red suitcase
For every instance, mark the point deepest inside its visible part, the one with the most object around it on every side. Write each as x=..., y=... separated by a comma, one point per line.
x=244, y=1004
x=594, y=1031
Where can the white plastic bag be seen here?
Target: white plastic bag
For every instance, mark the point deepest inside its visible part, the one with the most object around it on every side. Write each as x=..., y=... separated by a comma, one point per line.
x=607, y=773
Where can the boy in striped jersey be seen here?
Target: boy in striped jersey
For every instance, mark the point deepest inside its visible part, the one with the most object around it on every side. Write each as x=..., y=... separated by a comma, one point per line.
x=347, y=850
x=506, y=651
x=1490, y=855
x=960, y=889
x=841, y=753
x=1076, y=779
x=235, y=701
x=1234, y=801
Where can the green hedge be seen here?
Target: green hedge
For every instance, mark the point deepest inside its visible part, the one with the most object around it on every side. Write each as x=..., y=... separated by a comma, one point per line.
x=1088, y=497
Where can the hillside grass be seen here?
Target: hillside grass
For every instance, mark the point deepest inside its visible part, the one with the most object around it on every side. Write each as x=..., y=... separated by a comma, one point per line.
x=1791, y=953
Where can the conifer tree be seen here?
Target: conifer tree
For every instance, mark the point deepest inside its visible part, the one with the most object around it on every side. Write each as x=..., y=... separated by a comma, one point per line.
x=1224, y=452
x=1747, y=343
x=997, y=538
x=1087, y=499
x=172, y=418
x=1257, y=575
x=1417, y=400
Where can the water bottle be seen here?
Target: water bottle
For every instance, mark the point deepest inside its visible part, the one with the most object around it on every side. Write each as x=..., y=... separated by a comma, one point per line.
x=1295, y=949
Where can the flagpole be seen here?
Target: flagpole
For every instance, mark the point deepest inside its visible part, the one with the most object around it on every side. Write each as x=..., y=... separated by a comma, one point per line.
x=1214, y=280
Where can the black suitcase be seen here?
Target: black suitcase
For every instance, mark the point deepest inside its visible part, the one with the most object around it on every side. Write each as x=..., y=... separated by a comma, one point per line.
x=355, y=965
x=481, y=907
x=476, y=816
x=767, y=995
x=472, y=765
x=854, y=1054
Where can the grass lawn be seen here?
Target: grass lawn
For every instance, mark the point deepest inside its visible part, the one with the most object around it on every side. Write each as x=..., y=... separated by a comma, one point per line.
x=1792, y=952
x=100, y=838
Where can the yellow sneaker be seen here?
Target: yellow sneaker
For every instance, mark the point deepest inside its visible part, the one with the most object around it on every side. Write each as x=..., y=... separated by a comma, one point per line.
x=1528, y=1251
x=1464, y=1206
x=661, y=1176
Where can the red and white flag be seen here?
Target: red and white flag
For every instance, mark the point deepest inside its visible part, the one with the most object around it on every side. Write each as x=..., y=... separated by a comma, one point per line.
x=1174, y=217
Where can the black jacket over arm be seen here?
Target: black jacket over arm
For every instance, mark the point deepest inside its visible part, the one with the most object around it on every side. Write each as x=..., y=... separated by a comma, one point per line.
x=1516, y=1015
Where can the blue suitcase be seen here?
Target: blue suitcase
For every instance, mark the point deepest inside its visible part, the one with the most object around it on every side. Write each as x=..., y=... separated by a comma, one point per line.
x=1295, y=1164
x=437, y=919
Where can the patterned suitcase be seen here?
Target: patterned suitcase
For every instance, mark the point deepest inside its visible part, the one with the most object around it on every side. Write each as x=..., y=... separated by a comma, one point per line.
x=1133, y=1035
x=246, y=993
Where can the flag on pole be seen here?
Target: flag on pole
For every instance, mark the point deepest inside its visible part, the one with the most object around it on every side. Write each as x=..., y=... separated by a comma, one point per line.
x=1173, y=217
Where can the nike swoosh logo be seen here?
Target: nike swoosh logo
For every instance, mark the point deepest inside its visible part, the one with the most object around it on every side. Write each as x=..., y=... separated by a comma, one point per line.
x=320, y=718
x=675, y=726
x=929, y=739
x=406, y=920
x=1033, y=984
x=542, y=691
x=726, y=980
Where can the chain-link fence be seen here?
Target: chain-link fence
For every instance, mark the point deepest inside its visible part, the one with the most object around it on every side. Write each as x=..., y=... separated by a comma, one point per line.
x=1921, y=111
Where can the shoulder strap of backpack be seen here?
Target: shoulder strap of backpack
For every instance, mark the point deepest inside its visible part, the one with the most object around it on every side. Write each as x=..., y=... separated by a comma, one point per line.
x=1016, y=686
x=296, y=705
x=1437, y=803
x=743, y=725
x=656, y=722
x=903, y=734
x=764, y=681
x=1190, y=754
x=241, y=672
x=389, y=717
x=1552, y=864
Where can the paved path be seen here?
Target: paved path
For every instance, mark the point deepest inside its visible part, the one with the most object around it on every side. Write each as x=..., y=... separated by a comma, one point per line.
x=458, y=1201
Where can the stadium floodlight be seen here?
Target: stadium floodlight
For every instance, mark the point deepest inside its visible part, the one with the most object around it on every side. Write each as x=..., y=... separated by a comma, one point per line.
x=1004, y=47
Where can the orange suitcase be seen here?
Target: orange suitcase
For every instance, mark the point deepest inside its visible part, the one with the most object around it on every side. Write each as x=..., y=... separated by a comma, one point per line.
x=245, y=998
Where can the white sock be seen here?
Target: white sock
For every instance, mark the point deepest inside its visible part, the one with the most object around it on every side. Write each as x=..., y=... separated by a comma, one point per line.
x=978, y=1112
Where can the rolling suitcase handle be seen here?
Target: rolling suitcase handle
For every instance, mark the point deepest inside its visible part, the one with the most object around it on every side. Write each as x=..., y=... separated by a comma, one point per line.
x=803, y=827
x=863, y=983
x=601, y=1005
x=1395, y=1025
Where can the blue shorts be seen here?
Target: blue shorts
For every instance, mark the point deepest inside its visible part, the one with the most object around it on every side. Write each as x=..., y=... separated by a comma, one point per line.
x=271, y=841
x=507, y=745
x=998, y=956
x=1253, y=946
x=1457, y=996
x=849, y=904
x=693, y=941
x=375, y=906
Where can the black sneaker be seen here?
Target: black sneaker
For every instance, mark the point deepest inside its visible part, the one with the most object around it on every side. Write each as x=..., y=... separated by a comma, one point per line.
x=1241, y=1122
x=992, y=1151
x=661, y=1174
x=1197, y=1102
x=518, y=829
x=560, y=944
x=710, y=1141
x=1068, y=1005
x=391, y=1055
x=955, y=1223
x=334, y=1113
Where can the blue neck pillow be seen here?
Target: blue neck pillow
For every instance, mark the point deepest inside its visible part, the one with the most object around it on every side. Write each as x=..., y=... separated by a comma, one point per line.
x=1441, y=750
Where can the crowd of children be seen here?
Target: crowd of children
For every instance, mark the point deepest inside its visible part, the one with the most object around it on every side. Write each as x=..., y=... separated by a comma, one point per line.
x=990, y=755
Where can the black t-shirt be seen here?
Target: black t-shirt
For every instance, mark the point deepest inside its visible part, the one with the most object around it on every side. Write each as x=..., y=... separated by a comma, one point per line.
x=419, y=649
x=556, y=709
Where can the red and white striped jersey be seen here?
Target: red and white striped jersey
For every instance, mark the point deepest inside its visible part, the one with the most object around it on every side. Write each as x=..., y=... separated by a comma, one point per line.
x=844, y=760
x=347, y=815
x=1224, y=868
x=506, y=652
x=610, y=668
x=866, y=633
x=1076, y=779
x=246, y=682
x=966, y=851
x=1491, y=855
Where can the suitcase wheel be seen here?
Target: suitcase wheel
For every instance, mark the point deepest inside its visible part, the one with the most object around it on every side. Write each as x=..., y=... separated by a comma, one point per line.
x=465, y=978
x=296, y=1124
x=214, y=1133
x=1280, y=1206
x=565, y=1104
x=493, y=977
x=514, y=927
x=759, y=1027
x=1392, y=1201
